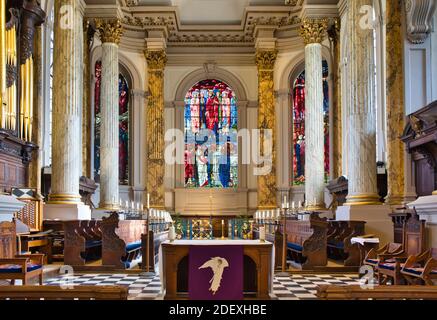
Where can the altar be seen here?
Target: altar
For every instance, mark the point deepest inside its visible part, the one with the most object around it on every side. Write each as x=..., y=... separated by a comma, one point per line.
x=257, y=267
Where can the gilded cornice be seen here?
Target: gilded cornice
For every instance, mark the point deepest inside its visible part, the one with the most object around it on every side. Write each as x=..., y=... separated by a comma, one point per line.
x=156, y=59
x=265, y=59
x=314, y=30
x=109, y=30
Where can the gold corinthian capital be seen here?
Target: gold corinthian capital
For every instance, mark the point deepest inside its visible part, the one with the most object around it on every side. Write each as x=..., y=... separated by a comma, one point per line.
x=110, y=31
x=313, y=30
x=156, y=59
x=265, y=59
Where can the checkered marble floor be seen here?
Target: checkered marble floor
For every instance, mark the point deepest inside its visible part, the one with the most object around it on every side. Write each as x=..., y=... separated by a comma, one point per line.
x=293, y=287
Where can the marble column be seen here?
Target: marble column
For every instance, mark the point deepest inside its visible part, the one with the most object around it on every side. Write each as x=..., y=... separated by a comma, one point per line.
x=110, y=32
x=313, y=32
x=395, y=103
x=88, y=35
x=67, y=102
x=337, y=135
x=265, y=61
x=362, y=112
x=156, y=61
x=38, y=108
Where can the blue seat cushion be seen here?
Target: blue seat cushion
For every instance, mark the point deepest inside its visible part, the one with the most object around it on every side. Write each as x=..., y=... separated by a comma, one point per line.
x=133, y=246
x=338, y=245
x=294, y=246
x=372, y=261
x=387, y=266
x=92, y=243
x=418, y=271
x=15, y=268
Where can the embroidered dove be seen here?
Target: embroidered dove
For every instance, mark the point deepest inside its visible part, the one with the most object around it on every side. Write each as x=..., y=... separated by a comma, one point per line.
x=217, y=266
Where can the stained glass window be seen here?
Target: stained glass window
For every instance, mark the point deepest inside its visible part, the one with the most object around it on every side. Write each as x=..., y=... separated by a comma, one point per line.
x=123, y=125
x=211, y=156
x=299, y=125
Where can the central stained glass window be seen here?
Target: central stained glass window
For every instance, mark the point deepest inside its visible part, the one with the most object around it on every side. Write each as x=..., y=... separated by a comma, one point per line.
x=211, y=120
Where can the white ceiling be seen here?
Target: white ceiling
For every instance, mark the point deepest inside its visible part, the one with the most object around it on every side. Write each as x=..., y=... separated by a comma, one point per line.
x=210, y=11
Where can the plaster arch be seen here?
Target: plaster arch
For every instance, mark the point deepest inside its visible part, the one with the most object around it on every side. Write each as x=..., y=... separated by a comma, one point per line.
x=219, y=74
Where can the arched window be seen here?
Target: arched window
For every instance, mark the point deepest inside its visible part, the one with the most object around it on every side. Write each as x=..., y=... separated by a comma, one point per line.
x=299, y=125
x=123, y=125
x=211, y=122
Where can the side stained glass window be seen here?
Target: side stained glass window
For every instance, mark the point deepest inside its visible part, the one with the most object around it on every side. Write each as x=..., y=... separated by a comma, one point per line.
x=298, y=113
x=123, y=125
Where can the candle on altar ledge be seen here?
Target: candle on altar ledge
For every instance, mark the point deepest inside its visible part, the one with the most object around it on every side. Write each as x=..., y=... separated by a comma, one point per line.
x=262, y=233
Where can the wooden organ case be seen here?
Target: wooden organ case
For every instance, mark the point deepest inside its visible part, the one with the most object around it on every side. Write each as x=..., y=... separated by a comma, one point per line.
x=18, y=23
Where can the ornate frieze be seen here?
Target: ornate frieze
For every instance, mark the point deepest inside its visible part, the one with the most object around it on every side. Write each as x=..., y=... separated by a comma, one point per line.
x=314, y=30
x=109, y=30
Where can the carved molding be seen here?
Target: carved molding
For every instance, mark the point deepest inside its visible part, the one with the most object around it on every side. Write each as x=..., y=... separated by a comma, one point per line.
x=419, y=14
x=109, y=30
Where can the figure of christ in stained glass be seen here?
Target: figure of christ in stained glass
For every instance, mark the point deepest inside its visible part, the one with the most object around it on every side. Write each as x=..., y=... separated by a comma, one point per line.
x=211, y=158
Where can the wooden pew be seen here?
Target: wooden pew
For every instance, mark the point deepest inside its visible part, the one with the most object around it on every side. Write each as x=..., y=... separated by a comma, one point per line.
x=339, y=241
x=121, y=241
x=156, y=238
x=355, y=292
x=421, y=268
x=58, y=293
x=307, y=241
x=82, y=242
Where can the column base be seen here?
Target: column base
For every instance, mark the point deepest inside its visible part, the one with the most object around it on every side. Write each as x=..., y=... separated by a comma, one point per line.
x=378, y=221
x=318, y=207
x=398, y=200
x=64, y=212
x=64, y=198
x=369, y=199
x=109, y=206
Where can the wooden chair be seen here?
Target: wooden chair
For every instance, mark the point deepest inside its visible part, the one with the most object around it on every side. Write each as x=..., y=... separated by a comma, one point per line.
x=421, y=268
x=13, y=266
x=390, y=265
x=390, y=248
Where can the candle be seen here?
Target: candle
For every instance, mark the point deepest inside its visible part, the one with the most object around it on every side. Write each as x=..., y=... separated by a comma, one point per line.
x=223, y=222
x=262, y=233
x=148, y=201
x=171, y=233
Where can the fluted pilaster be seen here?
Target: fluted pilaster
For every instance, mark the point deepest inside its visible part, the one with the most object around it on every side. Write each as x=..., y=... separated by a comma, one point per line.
x=156, y=61
x=67, y=103
x=265, y=60
x=313, y=32
x=395, y=104
x=110, y=33
x=362, y=112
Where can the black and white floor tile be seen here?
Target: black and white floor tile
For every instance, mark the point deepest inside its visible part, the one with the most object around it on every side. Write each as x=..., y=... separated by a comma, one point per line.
x=293, y=287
